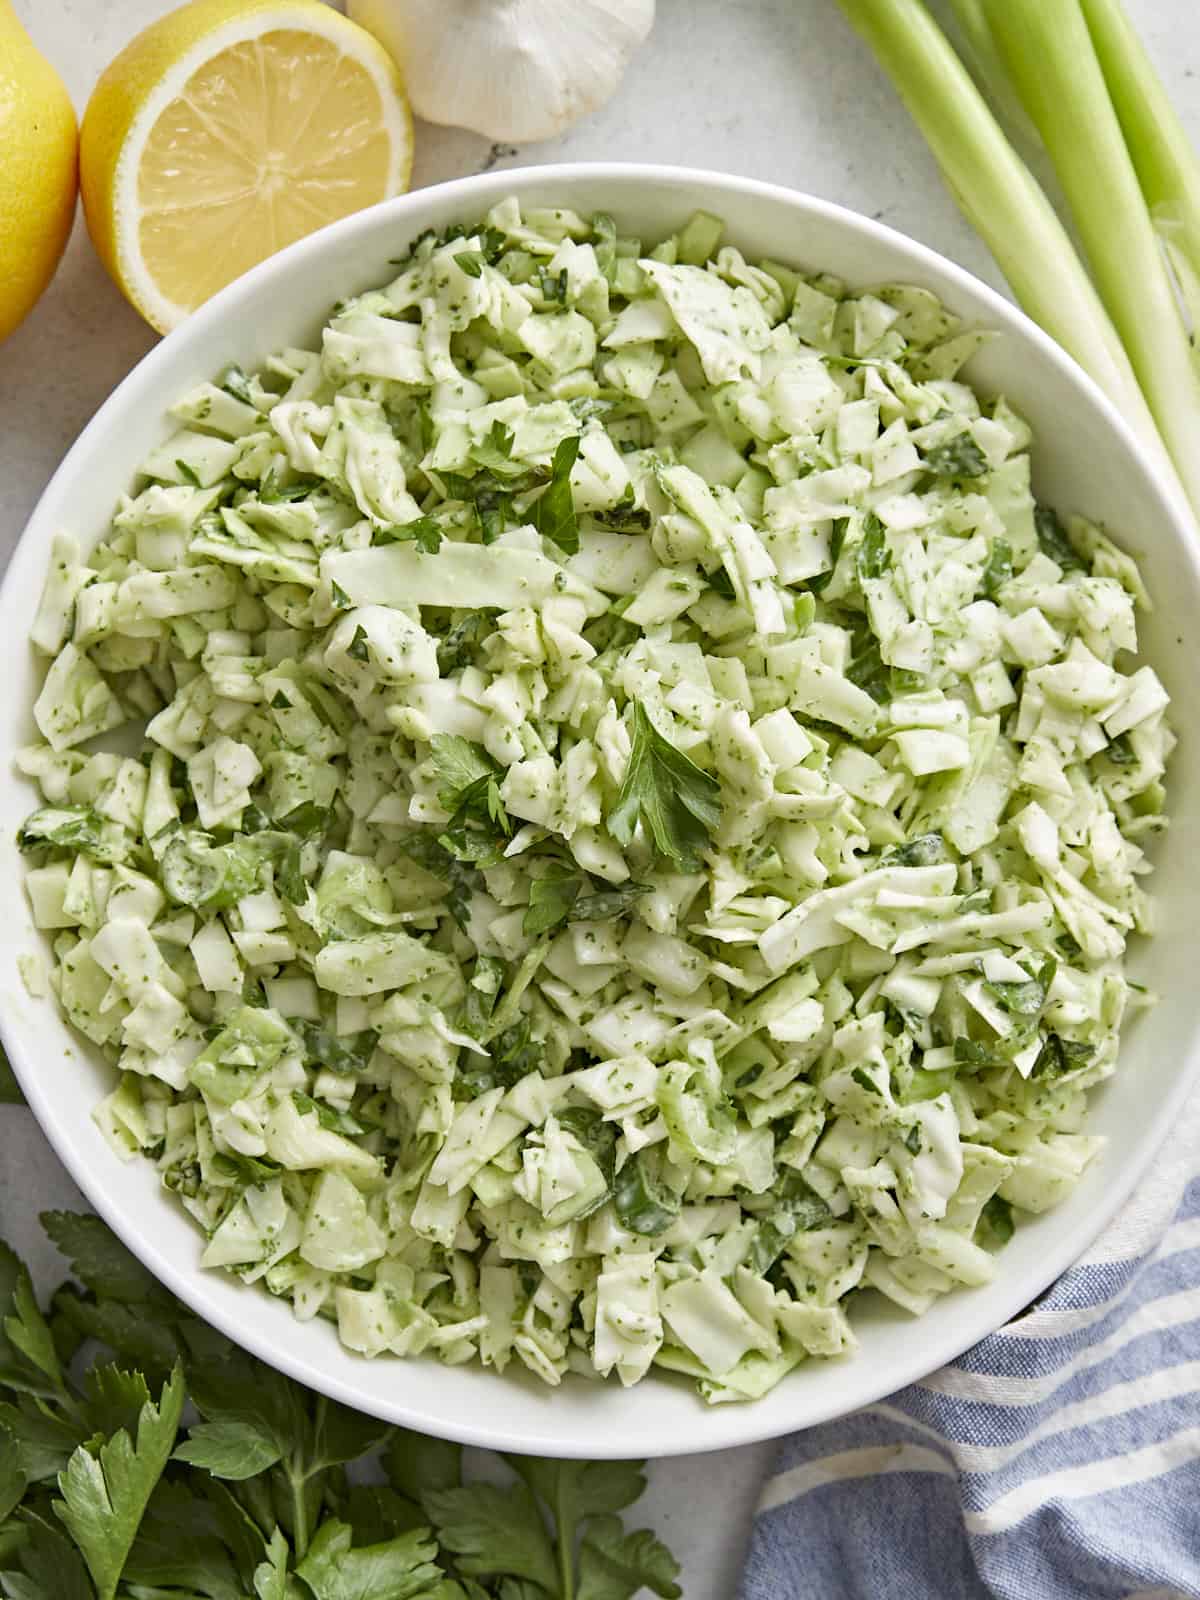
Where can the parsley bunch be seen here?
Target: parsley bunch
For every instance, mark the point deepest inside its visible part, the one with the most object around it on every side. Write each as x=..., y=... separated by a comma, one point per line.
x=172, y=1466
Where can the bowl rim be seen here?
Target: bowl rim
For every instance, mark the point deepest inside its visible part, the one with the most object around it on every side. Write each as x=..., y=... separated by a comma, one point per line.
x=186, y=1279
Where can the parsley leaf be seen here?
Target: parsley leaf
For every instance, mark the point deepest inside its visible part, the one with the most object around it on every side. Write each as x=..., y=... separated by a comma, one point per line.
x=74, y=828
x=579, y=1497
x=574, y=1490
x=271, y=492
x=583, y=1494
x=515, y=1053
x=488, y=496
x=483, y=991
x=926, y=850
x=999, y=569
x=311, y=1438
x=959, y=457
x=553, y=512
x=607, y=903
x=134, y=1332
x=599, y=1138
x=424, y=532
x=235, y=382
x=995, y=1227
x=51, y=1568
x=377, y=1513
x=971, y=1053
x=289, y=875
x=874, y=558
x=868, y=670
x=494, y=1532
x=1025, y=999
x=472, y=262
x=472, y=848
x=231, y=1449
x=799, y=1209
x=836, y=541
x=114, y=1399
x=491, y=241
x=1059, y=1055
x=399, y=1569
x=721, y=583
x=495, y=452
x=36, y=1439
x=337, y=1052
x=330, y=1118
x=459, y=765
x=437, y=855
x=1053, y=540
x=414, y=1463
x=1120, y=752
x=628, y=517
x=615, y=1565
x=105, y=1493
x=551, y=898
x=479, y=823
x=337, y=1435
x=243, y=1170
x=13, y=1479
x=678, y=804
x=308, y=819
x=459, y=646
x=271, y=1580
x=643, y=1204
x=180, y=1545
x=26, y=1331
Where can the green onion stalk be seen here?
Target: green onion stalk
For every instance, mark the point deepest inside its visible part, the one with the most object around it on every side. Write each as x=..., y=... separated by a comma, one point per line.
x=1162, y=153
x=1149, y=377
x=1053, y=65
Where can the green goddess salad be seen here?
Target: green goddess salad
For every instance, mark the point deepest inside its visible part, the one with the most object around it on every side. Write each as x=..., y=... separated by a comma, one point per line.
x=593, y=816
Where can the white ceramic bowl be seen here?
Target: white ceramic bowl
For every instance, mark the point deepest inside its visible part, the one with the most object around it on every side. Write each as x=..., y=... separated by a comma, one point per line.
x=1085, y=459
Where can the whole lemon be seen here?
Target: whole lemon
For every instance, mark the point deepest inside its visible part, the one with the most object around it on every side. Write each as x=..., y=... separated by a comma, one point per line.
x=39, y=150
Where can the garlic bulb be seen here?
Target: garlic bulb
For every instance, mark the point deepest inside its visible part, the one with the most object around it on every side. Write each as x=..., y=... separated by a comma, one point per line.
x=515, y=70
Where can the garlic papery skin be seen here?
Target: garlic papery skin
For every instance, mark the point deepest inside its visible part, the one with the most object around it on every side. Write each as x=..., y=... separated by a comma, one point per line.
x=515, y=70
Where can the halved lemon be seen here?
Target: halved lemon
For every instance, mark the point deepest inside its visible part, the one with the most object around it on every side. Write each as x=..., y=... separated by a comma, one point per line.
x=228, y=129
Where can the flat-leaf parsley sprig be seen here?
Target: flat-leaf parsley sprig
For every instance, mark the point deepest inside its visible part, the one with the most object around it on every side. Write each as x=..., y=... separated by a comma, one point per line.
x=144, y=1457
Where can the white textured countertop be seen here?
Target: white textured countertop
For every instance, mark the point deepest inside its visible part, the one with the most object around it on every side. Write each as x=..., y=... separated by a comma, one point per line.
x=776, y=89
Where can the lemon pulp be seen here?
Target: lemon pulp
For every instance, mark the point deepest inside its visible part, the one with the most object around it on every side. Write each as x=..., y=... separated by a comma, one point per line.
x=248, y=159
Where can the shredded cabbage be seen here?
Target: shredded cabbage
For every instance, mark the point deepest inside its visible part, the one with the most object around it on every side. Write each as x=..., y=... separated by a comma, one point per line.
x=638, y=818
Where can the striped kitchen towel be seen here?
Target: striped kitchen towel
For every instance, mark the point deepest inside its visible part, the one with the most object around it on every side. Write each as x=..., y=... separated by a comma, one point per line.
x=1057, y=1460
